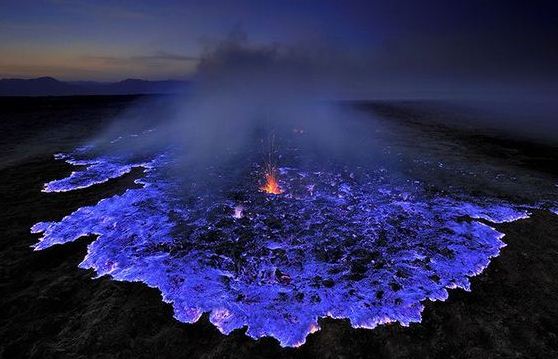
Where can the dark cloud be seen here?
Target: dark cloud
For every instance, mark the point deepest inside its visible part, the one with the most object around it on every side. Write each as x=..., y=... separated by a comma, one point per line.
x=156, y=57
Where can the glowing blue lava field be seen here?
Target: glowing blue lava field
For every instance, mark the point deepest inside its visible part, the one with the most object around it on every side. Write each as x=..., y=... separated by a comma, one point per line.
x=368, y=245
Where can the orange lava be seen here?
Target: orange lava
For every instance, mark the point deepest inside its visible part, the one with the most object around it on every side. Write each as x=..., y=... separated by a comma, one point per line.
x=271, y=184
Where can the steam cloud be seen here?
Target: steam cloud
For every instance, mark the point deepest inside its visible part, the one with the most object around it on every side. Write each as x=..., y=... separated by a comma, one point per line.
x=242, y=94
x=245, y=97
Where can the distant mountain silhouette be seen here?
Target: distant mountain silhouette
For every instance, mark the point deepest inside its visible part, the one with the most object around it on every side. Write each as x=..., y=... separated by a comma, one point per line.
x=48, y=86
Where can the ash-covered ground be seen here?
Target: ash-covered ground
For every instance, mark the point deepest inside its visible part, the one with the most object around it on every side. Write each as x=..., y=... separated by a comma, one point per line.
x=443, y=177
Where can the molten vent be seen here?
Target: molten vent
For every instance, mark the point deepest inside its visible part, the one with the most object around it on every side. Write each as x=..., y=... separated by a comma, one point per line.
x=271, y=184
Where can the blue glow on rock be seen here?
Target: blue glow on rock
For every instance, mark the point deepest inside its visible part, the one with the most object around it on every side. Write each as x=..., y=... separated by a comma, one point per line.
x=369, y=247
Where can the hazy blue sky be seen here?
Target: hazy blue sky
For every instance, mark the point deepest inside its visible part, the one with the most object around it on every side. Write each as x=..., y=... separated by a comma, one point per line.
x=112, y=40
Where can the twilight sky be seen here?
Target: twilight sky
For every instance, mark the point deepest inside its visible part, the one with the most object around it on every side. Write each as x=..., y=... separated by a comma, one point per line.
x=456, y=42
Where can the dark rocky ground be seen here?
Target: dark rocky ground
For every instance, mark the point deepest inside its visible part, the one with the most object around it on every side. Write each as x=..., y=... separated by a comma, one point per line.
x=52, y=309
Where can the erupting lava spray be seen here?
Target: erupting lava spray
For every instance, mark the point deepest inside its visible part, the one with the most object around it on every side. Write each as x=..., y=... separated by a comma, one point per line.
x=271, y=184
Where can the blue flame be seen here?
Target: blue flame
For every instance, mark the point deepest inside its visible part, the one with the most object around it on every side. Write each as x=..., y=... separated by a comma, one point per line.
x=370, y=247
